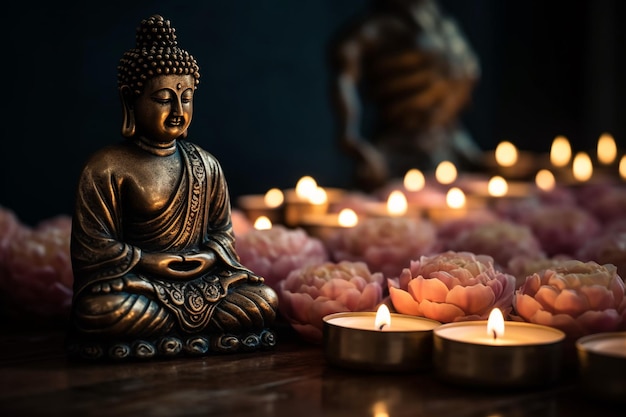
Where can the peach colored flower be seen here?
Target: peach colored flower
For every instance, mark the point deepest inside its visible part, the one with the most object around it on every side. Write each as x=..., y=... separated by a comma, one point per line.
x=38, y=271
x=274, y=253
x=386, y=245
x=314, y=291
x=576, y=297
x=452, y=286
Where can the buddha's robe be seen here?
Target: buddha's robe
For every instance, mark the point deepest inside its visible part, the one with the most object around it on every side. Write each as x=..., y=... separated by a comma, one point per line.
x=110, y=233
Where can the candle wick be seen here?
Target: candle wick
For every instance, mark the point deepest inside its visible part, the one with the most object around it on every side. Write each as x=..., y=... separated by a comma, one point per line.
x=495, y=335
x=381, y=326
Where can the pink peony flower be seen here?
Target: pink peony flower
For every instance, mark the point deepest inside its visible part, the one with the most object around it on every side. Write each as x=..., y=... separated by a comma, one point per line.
x=607, y=248
x=522, y=266
x=241, y=223
x=314, y=291
x=502, y=240
x=576, y=297
x=452, y=286
x=38, y=274
x=274, y=253
x=561, y=229
x=385, y=244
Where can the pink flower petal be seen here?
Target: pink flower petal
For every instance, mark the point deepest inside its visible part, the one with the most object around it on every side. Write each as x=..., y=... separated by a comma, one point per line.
x=570, y=302
x=428, y=289
x=547, y=296
x=599, y=321
x=442, y=312
x=404, y=303
x=472, y=300
x=598, y=298
x=526, y=306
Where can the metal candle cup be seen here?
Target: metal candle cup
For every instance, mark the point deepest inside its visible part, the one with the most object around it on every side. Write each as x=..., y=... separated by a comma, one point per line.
x=602, y=359
x=526, y=355
x=351, y=340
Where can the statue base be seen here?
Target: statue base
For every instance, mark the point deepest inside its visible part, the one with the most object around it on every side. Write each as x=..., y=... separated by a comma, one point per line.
x=171, y=346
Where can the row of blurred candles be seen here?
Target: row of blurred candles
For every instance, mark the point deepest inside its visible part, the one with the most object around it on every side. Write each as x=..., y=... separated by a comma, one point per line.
x=508, y=175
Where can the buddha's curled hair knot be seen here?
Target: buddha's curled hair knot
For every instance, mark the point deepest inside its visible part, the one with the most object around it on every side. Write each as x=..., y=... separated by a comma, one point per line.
x=156, y=53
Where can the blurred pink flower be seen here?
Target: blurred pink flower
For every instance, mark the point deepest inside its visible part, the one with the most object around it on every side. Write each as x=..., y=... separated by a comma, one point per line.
x=452, y=286
x=274, y=253
x=451, y=229
x=241, y=223
x=561, y=229
x=576, y=297
x=38, y=274
x=605, y=201
x=522, y=266
x=314, y=291
x=502, y=240
x=607, y=248
x=385, y=244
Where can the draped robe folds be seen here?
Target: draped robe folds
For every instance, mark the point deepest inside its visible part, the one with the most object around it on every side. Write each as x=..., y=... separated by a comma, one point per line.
x=108, y=240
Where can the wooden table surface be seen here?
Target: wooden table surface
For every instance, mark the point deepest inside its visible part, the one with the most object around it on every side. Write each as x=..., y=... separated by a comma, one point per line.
x=293, y=379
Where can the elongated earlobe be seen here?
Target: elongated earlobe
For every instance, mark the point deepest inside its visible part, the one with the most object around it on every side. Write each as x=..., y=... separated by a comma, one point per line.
x=128, y=115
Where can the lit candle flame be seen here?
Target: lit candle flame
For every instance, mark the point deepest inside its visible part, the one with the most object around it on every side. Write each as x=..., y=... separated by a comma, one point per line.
x=397, y=204
x=622, y=167
x=560, y=151
x=506, y=154
x=582, y=167
x=347, y=218
x=607, y=149
x=445, y=172
x=495, y=324
x=414, y=180
x=383, y=317
x=262, y=223
x=455, y=198
x=305, y=187
x=497, y=186
x=273, y=198
x=545, y=180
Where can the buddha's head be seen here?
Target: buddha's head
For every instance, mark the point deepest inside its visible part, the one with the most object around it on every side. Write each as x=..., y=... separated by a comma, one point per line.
x=155, y=56
x=156, y=53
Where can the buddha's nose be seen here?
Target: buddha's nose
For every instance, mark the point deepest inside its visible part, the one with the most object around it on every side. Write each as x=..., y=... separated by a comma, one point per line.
x=177, y=110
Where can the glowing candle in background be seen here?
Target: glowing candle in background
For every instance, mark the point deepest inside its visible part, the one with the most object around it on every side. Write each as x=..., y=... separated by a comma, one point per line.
x=607, y=149
x=622, y=167
x=582, y=167
x=347, y=218
x=262, y=223
x=446, y=172
x=318, y=196
x=414, y=180
x=497, y=186
x=560, y=151
x=274, y=197
x=455, y=198
x=545, y=180
x=397, y=204
x=305, y=187
x=506, y=154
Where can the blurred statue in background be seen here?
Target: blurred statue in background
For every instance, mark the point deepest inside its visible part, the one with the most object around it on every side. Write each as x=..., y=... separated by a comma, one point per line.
x=153, y=251
x=402, y=74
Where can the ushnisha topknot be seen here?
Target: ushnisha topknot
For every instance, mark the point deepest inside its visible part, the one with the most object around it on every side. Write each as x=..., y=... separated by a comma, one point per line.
x=156, y=53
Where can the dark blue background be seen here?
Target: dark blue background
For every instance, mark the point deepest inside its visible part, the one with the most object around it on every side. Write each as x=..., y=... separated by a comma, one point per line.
x=263, y=108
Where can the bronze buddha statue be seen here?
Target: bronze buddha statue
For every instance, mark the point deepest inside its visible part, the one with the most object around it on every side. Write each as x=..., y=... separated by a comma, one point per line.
x=156, y=273
x=401, y=75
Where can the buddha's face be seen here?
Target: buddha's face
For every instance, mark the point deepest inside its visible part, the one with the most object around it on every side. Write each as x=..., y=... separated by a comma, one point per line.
x=164, y=109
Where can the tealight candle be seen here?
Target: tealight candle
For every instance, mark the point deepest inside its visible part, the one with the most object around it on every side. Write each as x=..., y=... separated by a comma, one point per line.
x=269, y=205
x=602, y=359
x=324, y=226
x=378, y=341
x=481, y=353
